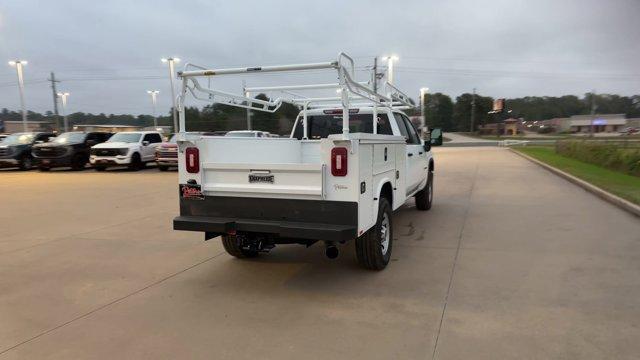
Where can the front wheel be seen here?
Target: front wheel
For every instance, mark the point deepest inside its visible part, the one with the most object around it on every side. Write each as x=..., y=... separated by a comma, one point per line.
x=233, y=247
x=78, y=163
x=424, y=197
x=26, y=163
x=163, y=167
x=136, y=162
x=373, y=249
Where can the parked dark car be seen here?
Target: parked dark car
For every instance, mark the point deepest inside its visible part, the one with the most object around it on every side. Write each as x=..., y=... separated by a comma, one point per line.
x=70, y=149
x=15, y=149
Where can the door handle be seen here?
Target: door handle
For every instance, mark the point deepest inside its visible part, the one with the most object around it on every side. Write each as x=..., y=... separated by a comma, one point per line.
x=410, y=154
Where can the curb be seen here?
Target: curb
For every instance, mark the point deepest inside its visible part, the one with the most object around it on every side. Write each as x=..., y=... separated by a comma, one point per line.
x=605, y=195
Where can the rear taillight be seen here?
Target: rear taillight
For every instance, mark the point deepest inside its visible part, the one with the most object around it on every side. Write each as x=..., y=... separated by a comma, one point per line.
x=192, y=160
x=339, y=161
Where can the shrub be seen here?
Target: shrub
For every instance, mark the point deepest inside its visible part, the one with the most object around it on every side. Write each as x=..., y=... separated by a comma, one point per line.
x=611, y=156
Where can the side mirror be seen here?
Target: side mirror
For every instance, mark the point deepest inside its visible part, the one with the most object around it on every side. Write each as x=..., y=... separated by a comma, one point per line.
x=436, y=137
x=145, y=143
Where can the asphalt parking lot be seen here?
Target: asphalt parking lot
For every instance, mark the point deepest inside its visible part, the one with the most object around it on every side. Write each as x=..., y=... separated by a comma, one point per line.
x=512, y=262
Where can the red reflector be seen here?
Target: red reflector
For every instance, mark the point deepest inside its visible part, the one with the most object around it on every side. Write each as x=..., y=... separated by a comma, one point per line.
x=339, y=161
x=192, y=160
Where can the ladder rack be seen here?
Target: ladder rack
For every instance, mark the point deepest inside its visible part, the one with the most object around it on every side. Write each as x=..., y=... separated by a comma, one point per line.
x=349, y=91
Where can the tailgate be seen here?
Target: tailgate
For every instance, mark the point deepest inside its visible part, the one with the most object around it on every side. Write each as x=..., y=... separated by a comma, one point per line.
x=246, y=179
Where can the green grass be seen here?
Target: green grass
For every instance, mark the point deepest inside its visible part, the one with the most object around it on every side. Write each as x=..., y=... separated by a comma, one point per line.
x=623, y=185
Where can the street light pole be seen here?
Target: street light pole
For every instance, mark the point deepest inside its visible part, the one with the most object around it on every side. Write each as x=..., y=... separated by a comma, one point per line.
x=18, y=64
x=172, y=61
x=63, y=97
x=423, y=92
x=154, y=94
x=390, y=61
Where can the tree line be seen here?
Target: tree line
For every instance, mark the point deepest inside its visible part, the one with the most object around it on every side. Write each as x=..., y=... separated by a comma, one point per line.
x=440, y=110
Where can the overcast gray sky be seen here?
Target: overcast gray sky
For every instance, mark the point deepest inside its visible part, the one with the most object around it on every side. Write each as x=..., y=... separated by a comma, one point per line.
x=107, y=53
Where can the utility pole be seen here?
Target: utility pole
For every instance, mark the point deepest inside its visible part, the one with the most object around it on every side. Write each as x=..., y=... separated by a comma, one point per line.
x=593, y=111
x=473, y=109
x=55, y=99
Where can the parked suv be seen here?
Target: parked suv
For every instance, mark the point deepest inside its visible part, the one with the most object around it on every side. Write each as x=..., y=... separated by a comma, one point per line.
x=15, y=149
x=67, y=149
x=130, y=148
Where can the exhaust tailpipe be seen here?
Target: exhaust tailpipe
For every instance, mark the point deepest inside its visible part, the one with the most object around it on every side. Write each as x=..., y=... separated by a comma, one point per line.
x=331, y=250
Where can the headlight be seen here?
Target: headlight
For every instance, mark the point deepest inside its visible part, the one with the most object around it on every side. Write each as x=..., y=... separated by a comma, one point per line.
x=123, y=152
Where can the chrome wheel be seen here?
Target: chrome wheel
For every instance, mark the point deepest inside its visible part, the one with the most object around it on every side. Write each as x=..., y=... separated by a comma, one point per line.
x=384, y=234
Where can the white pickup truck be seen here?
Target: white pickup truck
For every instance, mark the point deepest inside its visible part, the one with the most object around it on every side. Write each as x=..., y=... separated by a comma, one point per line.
x=338, y=177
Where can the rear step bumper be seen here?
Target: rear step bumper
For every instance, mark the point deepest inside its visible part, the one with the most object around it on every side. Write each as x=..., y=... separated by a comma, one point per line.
x=295, y=230
x=285, y=218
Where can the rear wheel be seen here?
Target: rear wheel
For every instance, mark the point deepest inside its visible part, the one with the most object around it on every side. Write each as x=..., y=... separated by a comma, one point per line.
x=136, y=162
x=163, y=167
x=373, y=249
x=44, y=168
x=100, y=168
x=424, y=197
x=233, y=246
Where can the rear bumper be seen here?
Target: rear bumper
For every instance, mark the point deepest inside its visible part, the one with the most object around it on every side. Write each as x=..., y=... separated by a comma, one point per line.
x=283, y=218
x=167, y=161
x=283, y=229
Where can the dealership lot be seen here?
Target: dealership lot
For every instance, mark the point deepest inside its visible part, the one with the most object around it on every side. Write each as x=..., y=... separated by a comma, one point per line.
x=512, y=262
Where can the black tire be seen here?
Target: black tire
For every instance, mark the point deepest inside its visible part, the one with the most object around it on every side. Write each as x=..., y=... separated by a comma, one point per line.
x=78, y=163
x=44, y=168
x=163, y=167
x=26, y=163
x=136, y=162
x=100, y=168
x=370, y=250
x=424, y=197
x=233, y=247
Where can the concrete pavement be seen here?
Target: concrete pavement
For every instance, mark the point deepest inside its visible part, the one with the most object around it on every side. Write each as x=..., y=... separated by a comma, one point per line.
x=511, y=262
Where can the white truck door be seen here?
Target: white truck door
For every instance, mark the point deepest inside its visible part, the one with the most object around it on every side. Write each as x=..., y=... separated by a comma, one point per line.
x=415, y=154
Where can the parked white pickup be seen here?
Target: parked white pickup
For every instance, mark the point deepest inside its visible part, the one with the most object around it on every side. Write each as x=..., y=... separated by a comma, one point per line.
x=321, y=184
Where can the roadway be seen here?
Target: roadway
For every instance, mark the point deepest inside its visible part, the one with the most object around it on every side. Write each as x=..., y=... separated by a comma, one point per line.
x=512, y=262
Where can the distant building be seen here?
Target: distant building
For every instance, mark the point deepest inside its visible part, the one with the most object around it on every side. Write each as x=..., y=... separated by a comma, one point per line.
x=12, y=126
x=508, y=127
x=586, y=123
x=634, y=122
x=106, y=128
